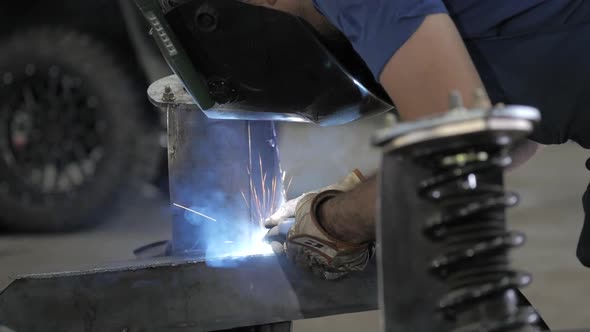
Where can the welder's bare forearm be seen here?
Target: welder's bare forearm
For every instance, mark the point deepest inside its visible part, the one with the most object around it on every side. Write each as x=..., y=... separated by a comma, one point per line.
x=433, y=62
x=350, y=216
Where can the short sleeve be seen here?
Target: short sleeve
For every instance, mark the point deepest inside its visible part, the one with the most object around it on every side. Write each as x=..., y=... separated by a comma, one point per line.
x=378, y=28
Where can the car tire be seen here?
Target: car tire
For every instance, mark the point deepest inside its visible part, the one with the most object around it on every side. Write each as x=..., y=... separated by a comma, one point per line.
x=73, y=132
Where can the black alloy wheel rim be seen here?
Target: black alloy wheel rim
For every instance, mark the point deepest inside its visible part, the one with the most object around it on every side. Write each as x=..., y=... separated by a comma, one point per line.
x=52, y=133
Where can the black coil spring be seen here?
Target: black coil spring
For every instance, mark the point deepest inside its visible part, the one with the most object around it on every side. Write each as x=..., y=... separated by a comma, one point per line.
x=468, y=189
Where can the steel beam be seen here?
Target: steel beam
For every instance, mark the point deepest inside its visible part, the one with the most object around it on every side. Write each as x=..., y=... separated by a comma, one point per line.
x=174, y=295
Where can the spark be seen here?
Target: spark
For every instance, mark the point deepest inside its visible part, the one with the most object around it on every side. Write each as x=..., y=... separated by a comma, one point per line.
x=193, y=211
x=266, y=197
x=254, y=245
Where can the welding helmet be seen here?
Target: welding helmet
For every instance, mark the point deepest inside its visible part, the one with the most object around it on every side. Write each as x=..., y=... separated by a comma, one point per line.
x=240, y=61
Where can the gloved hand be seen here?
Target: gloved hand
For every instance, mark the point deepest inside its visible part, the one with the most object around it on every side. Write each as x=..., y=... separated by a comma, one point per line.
x=297, y=233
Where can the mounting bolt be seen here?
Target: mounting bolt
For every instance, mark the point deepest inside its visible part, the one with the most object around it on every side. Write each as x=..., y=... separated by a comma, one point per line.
x=168, y=95
x=481, y=99
x=455, y=100
x=389, y=120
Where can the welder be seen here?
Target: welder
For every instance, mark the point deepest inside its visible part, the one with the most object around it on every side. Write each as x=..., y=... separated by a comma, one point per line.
x=530, y=52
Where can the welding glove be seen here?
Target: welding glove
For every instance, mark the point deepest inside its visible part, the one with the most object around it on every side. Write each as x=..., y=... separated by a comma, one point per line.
x=297, y=233
x=287, y=210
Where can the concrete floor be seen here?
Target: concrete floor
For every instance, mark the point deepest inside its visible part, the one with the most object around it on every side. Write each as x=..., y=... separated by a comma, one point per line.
x=551, y=186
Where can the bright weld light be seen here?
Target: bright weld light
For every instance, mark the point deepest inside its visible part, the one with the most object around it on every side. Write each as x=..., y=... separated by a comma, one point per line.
x=257, y=244
x=254, y=247
x=472, y=180
x=193, y=211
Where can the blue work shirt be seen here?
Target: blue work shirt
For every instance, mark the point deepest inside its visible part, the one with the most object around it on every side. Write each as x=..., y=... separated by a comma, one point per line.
x=530, y=52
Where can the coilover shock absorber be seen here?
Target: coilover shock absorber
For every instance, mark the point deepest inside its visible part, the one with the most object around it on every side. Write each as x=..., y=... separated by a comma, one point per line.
x=456, y=162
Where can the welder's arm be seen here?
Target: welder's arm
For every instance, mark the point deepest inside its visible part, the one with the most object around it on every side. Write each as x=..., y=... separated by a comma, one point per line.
x=418, y=77
x=350, y=216
x=432, y=62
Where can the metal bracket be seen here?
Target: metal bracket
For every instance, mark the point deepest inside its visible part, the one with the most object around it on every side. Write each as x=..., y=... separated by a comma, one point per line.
x=168, y=93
